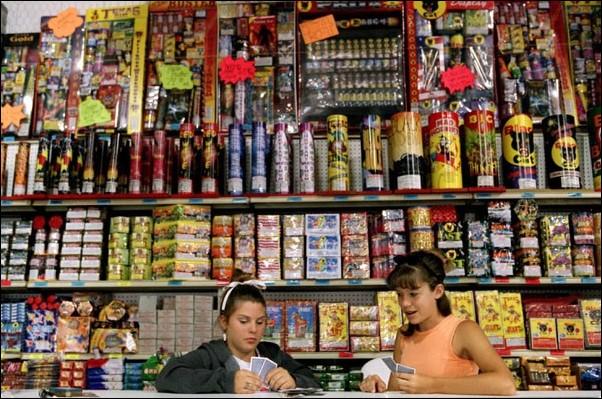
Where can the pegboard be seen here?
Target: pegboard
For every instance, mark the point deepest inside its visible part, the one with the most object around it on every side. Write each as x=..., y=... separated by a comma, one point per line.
x=355, y=298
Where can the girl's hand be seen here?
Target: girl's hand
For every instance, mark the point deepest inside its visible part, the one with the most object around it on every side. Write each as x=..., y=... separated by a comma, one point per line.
x=413, y=383
x=373, y=383
x=280, y=378
x=246, y=381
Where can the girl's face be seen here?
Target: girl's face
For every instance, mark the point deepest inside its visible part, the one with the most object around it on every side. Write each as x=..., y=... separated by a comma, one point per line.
x=245, y=326
x=420, y=303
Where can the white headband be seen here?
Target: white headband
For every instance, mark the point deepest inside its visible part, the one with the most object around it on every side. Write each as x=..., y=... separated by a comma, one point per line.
x=230, y=287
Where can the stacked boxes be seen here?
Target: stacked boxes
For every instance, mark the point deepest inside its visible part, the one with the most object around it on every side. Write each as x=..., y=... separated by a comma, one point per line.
x=244, y=242
x=15, y=249
x=526, y=231
x=323, y=246
x=185, y=323
x=513, y=322
x=583, y=250
x=421, y=233
x=500, y=217
x=387, y=240
x=147, y=319
x=478, y=252
x=390, y=319
x=355, y=245
x=364, y=328
x=81, y=253
x=293, y=228
x=590, y=312
x=181, y=242
x=119, y=255
x=268, y=247
x=275, y=328
x=140, y=248
x=221, y=248
x=166, y=325
x=105, y=374
x=334, y=326
x=490, y=316
x=203, y=320
x=449, y=242
x=73, y=374
x=13, y=320
x=43, y=264
x=556, y=245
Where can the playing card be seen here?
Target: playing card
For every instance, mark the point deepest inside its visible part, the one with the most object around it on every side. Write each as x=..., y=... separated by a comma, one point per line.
x=400, y=368
x=390, y=363
x=268, y=366
x=257, y=364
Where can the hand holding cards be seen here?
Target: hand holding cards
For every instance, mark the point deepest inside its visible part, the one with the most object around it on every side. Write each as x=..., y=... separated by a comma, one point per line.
x=262, y=366
x=397, y=367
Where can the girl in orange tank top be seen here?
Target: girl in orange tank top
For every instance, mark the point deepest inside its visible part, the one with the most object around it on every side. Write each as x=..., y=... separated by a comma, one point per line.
x=446, y=353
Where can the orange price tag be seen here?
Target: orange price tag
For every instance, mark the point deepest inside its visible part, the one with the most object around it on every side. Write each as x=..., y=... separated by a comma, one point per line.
x=66, y=22
x=318, y=29
x=12, y=115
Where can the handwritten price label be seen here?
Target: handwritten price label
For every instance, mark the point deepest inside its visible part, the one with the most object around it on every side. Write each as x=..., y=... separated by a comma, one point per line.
x=65, y=23
x=236, y=70
x=92, y=112
x=457, y=79
x=175, y=77
x=318, y=29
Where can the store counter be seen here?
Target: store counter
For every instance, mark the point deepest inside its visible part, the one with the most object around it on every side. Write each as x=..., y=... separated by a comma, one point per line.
x=32, y=393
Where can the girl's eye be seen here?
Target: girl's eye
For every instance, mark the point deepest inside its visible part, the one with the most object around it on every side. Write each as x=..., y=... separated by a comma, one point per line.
x=413, y=294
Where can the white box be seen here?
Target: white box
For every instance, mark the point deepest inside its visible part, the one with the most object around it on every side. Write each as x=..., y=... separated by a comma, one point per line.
x=323, y=267
x=322, y=223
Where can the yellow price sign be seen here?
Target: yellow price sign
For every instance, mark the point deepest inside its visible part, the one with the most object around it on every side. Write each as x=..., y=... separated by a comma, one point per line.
x=92, y=112
x=175, y=77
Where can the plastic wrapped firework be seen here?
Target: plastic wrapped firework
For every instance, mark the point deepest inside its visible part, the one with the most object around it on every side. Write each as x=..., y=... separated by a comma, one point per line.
x=480, y=148
x=281, y=160
x=594, y=123
x=185, y=170
x=445, y=155
x=88, y=178
x=562, y=154
x=338, y=155
x=159, y=147
x=42, y=164
x=307, y=178
x=65, y=160
x=20, y=185
x=520, y=160
x=210, y=159
x=112, y=169
x=136, y=164
x=259, y=158
x=100, y=164
x=407, y=165
x=236, y=160
x=372, y=158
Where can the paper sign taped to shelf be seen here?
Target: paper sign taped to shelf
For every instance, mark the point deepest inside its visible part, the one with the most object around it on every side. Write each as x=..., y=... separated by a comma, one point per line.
x=12, y=115
x=92, y=112
x=457, y=79
x=175, y=77
x=66, y=22
x=318, y=29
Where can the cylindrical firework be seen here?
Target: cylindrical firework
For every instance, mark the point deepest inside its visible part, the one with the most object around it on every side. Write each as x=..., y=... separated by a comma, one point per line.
x=41, y=176
x=159, y=161
x=307, y=164
x=419, y=217
x=88, y=179
x=281, y=160
x=78, y=166
x=562, y=154
x=594, y=122
x=123, y=165
x=338, y=155
x=102, y=150
x=54, y=166
x=259, y=177
x=113, y=168
x=20, y=185
x=372, y=153
x=407, y=165
x=136, y=164
x=210, y=159
x=65, y=161
x=185, y=173
x=520, y=158
x=170, y=161
x=226, y=104
x=444, y=145
x=236, y=154
x=147, y=164
x=3, y=165
x=479, y=147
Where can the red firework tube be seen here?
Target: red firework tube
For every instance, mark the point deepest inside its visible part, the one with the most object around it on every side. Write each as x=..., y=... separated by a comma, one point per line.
x=136, y=164
x=159, y=146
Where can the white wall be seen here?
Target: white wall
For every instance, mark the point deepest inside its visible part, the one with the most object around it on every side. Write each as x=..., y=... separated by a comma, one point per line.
x=24, y=17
